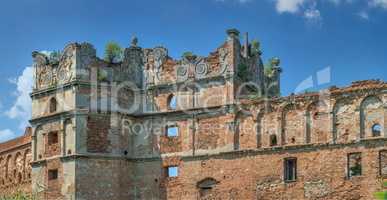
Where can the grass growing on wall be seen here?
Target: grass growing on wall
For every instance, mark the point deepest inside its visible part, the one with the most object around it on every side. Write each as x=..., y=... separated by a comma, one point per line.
x=113, y=52
x=19, y=196
x=381, y=195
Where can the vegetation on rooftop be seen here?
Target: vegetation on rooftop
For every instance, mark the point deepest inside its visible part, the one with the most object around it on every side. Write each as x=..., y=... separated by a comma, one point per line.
x=270, y=67
x=243, y=72
x=188, y=55
x=54, y=57
x=255, y=47
x=113, y=52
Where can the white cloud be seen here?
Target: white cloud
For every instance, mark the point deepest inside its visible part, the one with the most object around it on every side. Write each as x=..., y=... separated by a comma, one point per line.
x=290, y=6
x=239, y=1
x=378, y=3
x=336, y=2
x=313, y=15
x=6, y=134
x=363, y=14
x=294, y=6
x=21, y=109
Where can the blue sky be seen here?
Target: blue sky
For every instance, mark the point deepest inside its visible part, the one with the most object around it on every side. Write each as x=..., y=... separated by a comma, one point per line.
x=345, y=39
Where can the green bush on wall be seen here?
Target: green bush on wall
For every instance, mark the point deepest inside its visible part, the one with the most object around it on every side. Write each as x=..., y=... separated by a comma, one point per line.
x=113, y=52
x=243, y=72
x=255, y=47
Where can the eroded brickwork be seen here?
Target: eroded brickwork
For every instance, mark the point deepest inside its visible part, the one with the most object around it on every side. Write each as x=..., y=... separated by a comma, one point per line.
x=153, y=127
x=15, y=168
x=98, y=129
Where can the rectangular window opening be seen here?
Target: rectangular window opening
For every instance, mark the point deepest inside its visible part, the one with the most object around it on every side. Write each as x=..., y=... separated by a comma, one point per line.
x=172, y=131
x=53, y=138
x=173, y=171
x=52, y=174
x=354, y=164
x=290, y=167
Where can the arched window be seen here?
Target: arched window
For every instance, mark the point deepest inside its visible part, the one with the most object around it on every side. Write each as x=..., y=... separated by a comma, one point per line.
x=53, y=105
x=290, y=123
x=8, y=168
x=376, y=130
x=259, y=129
x=172, y=102
x=207, y=183
x=1, y=171
x=27, y=164
x=316, y=118
x=19, y=178
x=273, y=140
x=18, y=163
x=205, y=188
x=371, y=116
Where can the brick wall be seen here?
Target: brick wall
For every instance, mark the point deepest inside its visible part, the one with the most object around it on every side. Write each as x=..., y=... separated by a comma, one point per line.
x=321, y=174
x=53, y=184
x=100, y=178
x=15, y=168
x=97, y=134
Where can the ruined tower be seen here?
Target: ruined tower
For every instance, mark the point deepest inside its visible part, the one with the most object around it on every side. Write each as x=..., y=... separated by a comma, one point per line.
x=86, y=111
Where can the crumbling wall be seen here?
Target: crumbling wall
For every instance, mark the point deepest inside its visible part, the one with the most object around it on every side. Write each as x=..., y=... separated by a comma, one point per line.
x=321, y=174
x=15, y=168
x=247, y=132
x=41, y=134
x=193, y=96
x=371, y=115
x=52, y=188
x=344, y=114
x=97, y=135
x=214, y=95
x=214, y=134
x=160, y=69
x=293, y=125
x=41, y=105
x=269, y=126
x=318, y=123
x=222, y=151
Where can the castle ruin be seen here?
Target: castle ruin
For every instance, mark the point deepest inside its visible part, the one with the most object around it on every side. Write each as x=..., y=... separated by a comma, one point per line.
x=215, y=127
